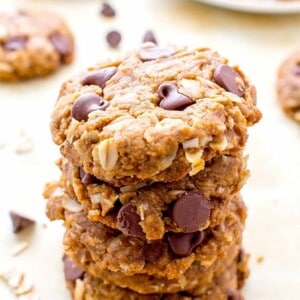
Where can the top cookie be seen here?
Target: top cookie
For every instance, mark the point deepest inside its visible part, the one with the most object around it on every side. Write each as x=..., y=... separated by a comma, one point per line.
x=32, y=44
x=155, y=114
x=288, y=85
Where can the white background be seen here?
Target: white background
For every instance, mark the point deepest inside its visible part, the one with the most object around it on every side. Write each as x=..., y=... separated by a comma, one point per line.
x=258, y=43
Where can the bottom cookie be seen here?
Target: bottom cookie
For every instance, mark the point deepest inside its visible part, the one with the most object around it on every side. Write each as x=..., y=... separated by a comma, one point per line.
x=84, y=286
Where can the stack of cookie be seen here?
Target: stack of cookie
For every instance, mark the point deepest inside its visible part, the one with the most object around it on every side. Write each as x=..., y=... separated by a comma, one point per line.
x=152, y=165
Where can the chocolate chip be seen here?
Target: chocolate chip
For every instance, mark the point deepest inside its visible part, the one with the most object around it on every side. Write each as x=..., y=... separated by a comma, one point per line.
x=99, y=77
x=153, y=52
x=241, y=255
x=296, y=70
x=128, y=221
x=191, y=211
x=113, y=38
x=182, y=244
x=153, y=250
x=149, y=37
x=15, y=43
x=61, y=43
x=229, y=79
x=171, y=98
x=87, y=178
x=20, y=222
x=71, y=271
x=107, y=10
x=87, y=103
x=234, y=295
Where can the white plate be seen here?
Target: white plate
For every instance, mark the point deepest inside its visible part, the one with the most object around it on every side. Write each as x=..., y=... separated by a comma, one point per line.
x=258, y=6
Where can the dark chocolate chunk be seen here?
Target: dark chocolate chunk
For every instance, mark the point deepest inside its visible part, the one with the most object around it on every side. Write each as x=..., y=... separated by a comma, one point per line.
x=229, y=79
x=128, y=221
x=61, y=43
x=153, y=52
x=20, y=222
x=182, y=244
x=191, y=211
x=153, y=250
x=15, y=43
x=171, y=98
x=296, y=69
x=113, y=38
x=99, y=77
x=241, y=255
x=107, y=10
x=149, y=37
x=71, y=271
x=234, y=295
x=87, y=103
x=87, y=178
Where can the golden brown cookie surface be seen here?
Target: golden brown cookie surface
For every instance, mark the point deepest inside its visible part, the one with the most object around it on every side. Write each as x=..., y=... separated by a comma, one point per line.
x=156, y=114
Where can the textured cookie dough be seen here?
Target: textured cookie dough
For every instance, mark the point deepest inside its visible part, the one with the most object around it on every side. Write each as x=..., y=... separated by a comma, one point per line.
x=155, y=114
x=288, y=85
x=224, y=287
x=97, y=248
x=33, y=43
x=161, y=207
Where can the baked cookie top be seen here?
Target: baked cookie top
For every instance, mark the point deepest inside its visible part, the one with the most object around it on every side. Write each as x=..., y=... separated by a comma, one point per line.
x=288, y=85
x=33, y=43
x=155, y=114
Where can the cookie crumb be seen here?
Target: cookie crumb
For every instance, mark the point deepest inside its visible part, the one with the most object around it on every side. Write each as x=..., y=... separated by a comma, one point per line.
x=24, y=144
x=19, y=248
x=17, y=281
x=20, y=222
x=107, y=10
x=113, y=38
x=260, y=259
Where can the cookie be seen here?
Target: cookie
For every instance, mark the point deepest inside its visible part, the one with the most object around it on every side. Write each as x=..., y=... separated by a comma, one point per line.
x=106, y=248
x=169, y=257
x=156, y=114
x=222, y=287
x=188, y=205
x=288, y=85
x=33, y=44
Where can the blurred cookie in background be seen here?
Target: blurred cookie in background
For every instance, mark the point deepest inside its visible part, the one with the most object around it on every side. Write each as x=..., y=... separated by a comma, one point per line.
x=33, y=43
x=288, y=85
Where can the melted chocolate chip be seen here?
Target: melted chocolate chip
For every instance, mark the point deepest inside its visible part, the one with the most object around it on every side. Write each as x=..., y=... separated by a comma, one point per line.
x=87, y=178
x=182, y=244
x=107, y=10
x=61, y=43
x=149, y=37
x=153, y=52
x=71, y=271
x=191, y=211
x=229, y=79
x=87, y=103
x=128, y=221
x=234, y=295
x=15, y=43
x=20, y=222
x=153, y=251
x=171, y=98
x=99, y=77
x=113, y=38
